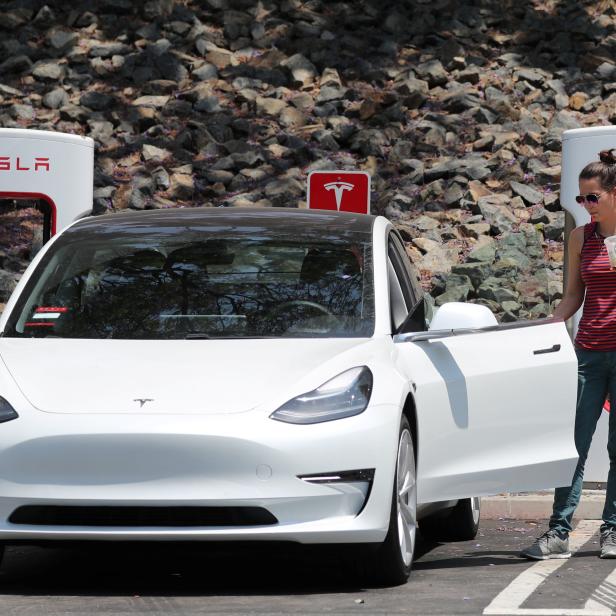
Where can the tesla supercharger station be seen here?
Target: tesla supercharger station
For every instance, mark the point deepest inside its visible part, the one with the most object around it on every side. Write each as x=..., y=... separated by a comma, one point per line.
x=55, y=168
x=581, y=146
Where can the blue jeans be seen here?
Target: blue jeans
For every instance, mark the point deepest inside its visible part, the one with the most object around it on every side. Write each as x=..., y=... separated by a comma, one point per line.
x=596, y=377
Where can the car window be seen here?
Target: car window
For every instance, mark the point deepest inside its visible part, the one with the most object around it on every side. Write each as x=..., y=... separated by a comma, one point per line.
x=408, y=271
x=397, y=302
x=408, y=283
x=182, y=284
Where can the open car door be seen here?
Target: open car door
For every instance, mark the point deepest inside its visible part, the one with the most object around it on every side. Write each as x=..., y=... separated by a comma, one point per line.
x=55, y=168
x=495, y=408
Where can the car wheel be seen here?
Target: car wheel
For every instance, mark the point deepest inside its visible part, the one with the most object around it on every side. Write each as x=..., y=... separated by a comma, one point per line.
x=458, y=524
x=390, y=564
x=1, y=553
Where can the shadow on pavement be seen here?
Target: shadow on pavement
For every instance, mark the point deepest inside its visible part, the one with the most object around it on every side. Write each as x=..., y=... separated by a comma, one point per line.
x=175, y=569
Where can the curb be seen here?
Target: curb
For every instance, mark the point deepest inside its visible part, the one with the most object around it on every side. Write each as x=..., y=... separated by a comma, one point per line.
x=538, y=505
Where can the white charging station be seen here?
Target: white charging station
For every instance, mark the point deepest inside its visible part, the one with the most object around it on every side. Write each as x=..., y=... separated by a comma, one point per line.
x=580, y=147
x=55, y=168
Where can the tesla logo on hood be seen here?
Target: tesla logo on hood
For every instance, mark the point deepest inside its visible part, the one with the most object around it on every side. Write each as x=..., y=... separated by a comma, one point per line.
x=8, y=163
x=142, y=401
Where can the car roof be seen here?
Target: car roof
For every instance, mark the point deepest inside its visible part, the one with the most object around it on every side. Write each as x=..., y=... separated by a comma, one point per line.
x=283, y=221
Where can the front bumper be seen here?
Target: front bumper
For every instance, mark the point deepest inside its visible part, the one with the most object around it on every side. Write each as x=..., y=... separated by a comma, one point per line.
x=240, y=460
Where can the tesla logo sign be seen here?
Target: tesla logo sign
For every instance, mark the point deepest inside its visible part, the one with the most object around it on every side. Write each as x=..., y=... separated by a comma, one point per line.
x=18, y=163
x=343, y=191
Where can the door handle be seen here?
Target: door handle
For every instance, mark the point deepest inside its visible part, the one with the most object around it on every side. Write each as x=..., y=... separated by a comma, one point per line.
x=553, y=349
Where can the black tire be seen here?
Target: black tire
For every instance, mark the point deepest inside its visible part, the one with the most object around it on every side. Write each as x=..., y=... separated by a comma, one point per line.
x=460, y=523
x=384, y=564
x=1, y=553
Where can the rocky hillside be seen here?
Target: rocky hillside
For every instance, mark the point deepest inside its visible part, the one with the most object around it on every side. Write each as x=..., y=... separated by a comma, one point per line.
x=455, y=107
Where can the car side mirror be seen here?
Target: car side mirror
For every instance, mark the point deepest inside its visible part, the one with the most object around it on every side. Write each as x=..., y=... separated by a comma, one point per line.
x=459, y=315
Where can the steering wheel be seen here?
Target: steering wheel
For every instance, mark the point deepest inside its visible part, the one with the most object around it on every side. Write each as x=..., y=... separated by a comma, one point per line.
x=302, y=302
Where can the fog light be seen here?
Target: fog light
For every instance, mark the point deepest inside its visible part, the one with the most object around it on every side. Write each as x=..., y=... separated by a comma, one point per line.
x=349, y=482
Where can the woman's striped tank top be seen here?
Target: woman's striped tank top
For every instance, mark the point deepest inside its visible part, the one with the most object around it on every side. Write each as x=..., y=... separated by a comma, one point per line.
x=597, y=328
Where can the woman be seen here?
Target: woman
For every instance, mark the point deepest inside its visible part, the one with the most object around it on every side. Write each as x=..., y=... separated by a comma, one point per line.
x=592, y=281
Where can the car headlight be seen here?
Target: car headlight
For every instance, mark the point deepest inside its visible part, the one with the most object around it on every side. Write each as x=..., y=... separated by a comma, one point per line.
x=343, y=396
x=7, y=412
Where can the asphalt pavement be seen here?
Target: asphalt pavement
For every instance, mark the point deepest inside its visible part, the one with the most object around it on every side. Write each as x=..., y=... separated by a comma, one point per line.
x=474, y=577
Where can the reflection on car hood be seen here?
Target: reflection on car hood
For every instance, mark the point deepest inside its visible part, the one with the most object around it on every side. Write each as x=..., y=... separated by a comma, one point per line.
x=174, y=376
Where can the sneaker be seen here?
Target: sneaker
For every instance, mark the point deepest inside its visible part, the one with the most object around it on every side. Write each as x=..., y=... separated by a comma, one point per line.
x=551, y=545
x=608, y=543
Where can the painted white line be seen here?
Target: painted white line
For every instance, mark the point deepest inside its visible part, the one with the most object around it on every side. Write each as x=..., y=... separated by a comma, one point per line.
x=509, y=600
x=604, y=597
x=529, y=611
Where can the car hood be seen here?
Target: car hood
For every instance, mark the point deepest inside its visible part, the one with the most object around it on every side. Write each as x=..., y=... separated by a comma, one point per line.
x=171, y=376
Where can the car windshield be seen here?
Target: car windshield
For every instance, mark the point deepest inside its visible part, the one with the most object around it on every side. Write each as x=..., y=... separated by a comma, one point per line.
x=178, y=283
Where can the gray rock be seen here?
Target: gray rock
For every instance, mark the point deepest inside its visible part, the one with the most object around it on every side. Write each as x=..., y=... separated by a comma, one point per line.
x=137, y=200
x=562, y=121
x=284, y=191
x=453, y=195
x=494, y=290
x=539, y=215
x=98, y=101
x=48, y=70
x=151, y=152
x=301, y=68
x=22, y=112
x=291, y=117
x=433, y=72
x=477, y=272
x=414, y=92
x=529, y=194
x=269, y=106
x=209, y=104
x=331, y=93
x=454, y=294
x=107, y=49
x=182, y=186
x=205, y=72
x=499, y=216
x=74, y=113
x=469, y=75
x=60, y=38
x=540, y=311
x=555, y=230
x=15, y=64
x=413, y=170
x=607, y=71
x=151, y=101
x=56, y=98
x=8, y=282
x=531, y=76
x=512, y=307
x=101, y=130
x=484, y=253
x=219, y=175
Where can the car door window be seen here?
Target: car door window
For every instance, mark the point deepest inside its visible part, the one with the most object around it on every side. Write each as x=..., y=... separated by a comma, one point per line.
x=414, y=319
x=397, y=302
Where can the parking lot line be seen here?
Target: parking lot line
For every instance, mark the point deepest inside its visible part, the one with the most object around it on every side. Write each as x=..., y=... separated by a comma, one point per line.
x=509, y=600
x=604, y=595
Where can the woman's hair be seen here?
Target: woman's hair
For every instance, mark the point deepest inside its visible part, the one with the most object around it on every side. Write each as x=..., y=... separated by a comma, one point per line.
x=604, y=170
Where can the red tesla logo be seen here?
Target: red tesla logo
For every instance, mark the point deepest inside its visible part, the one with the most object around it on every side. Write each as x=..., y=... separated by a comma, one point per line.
x=343, y=191
x=8, y=163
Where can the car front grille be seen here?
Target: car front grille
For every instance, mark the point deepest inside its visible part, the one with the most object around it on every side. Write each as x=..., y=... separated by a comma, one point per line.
x=54, y=515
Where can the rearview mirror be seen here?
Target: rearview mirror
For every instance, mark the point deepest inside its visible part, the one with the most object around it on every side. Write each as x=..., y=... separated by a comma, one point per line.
x=458, y=315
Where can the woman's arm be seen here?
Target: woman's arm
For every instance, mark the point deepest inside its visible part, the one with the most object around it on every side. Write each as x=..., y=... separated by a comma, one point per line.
x=574, y=294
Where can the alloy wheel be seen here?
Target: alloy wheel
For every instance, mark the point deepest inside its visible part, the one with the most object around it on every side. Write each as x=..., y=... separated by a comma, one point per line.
x=407, y=497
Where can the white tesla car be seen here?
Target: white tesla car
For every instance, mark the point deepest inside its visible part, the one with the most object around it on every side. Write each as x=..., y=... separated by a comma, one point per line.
x=245, y=374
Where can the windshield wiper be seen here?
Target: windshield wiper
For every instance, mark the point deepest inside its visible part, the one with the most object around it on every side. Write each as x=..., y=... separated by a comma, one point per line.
x=197, y=337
